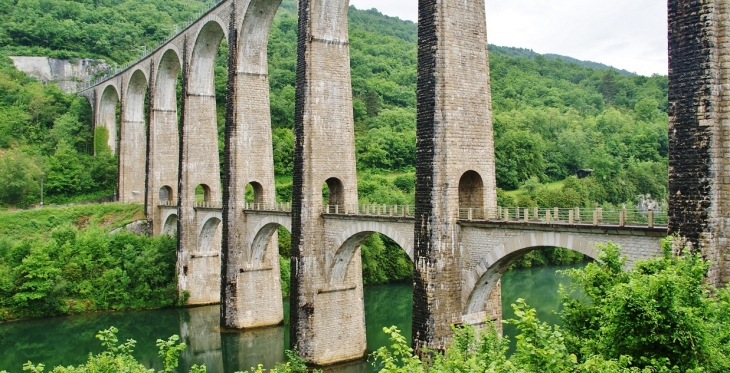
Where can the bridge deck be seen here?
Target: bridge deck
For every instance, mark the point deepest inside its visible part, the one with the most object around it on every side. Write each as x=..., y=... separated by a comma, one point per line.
x=616, y=221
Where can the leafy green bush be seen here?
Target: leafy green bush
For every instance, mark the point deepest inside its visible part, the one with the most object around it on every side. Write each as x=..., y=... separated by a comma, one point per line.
x=659, y=316
x=661, y=312
x=19, y=178
x=540, y=348
x=89, y=270
x=118, y=357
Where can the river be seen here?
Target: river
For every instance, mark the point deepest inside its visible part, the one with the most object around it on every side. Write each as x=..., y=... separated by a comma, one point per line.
x=69, y=340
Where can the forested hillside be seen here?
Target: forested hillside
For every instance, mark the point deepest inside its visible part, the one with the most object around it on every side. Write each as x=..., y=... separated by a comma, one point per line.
x=551, y=117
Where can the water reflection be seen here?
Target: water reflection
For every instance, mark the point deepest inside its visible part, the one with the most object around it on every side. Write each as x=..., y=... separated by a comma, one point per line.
x=539, y=288
x=69, y=340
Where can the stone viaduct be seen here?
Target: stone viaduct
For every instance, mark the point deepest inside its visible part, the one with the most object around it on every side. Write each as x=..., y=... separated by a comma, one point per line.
x=458, y=239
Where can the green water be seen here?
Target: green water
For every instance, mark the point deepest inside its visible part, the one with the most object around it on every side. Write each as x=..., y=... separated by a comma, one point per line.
x=69, y=340
x=539, y=288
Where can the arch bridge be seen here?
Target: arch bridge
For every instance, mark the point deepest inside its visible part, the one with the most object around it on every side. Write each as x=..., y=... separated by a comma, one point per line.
x=459, y=240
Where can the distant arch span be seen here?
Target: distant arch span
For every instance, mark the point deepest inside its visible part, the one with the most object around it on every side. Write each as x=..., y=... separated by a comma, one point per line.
x=489, y=270
x=353, y=237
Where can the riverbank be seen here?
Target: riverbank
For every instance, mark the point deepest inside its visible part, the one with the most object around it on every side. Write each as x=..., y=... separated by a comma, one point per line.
x=39, y=223
x=66, y=271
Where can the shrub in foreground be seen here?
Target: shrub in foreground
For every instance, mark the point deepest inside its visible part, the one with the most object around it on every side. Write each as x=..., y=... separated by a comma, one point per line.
x=659, y=316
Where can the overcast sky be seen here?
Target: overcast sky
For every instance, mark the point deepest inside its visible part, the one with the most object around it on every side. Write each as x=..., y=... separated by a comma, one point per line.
x=627, y=34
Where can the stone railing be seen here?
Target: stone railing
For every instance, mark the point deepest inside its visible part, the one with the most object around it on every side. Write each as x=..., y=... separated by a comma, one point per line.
x=372, y=210
x=168, y=203
x=599, y=216
x=251, y=206
x=583, y=216
x=209, y=205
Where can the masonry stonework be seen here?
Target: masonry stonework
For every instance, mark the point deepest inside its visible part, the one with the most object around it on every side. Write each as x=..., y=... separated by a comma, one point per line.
x=163, y=139
x=227, y=251
x=251, y=291
x=133, y=150
x=199, y=248
x=454, y=136
x=327, y=317
x=699, y=138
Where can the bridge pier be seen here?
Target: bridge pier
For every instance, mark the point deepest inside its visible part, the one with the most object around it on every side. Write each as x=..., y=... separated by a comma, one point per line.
x=327, y=316
x=133, y=150
x=454, y=159
x=199, y=234
x=163, y=151
x=699, y=134
x=251, y=289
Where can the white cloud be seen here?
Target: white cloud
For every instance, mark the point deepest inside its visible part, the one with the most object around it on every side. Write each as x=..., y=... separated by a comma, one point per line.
x=627, y=34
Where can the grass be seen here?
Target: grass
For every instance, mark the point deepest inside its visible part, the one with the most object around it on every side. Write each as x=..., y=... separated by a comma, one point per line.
x=555, y=185
x=19, y=225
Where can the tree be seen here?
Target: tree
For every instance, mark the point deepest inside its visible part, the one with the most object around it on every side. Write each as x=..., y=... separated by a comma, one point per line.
x=519, y=156
x=658, y=313
x=19, y=177
x=66, y=175
x=609, y=87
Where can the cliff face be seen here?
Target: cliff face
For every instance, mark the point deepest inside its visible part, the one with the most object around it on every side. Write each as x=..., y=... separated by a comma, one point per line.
x=69, y=75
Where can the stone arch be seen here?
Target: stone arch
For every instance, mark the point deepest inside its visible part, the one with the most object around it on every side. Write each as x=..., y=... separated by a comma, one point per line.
x=206, y=192
x=481, y=281
x=137, y=83
x=258, y=192
x=209, y=237
x=336, y=193
x=202, y=59
x=169, y=227
x=168, y=69
x=107, y=114
x=351, y=239
x=264, y=231
x=254, y=36
x=89, y=96
x=166, y=194
x=471, y=192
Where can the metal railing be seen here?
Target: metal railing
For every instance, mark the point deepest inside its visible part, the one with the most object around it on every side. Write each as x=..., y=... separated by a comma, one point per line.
x=599, y=216
x=157, y=46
